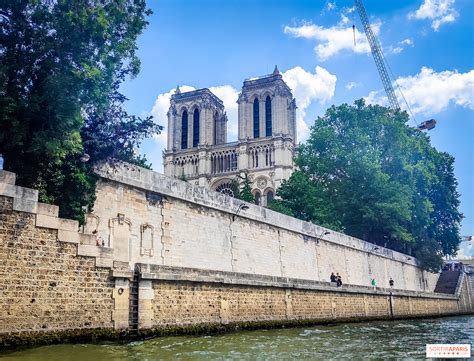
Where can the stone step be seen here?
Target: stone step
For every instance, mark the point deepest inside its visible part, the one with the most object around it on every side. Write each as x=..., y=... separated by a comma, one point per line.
x=46, y=221
x=447, y=282
x=68, y=236
x=104, y=262
x=68, y=225
x=7, y=177
x=94, y=251
x=88, y=239
x=11, y=190
x=48, y=209
x=25, y=205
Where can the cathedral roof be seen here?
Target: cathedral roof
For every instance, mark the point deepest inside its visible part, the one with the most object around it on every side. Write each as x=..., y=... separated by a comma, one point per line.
x=274, y=78
x=198, y=93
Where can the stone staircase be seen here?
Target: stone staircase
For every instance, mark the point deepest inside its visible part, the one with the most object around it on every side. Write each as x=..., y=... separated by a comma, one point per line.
x=46, y=216
x=447, y=282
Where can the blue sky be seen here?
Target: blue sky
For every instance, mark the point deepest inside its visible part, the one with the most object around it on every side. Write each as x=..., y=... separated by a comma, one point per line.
x=217, y=44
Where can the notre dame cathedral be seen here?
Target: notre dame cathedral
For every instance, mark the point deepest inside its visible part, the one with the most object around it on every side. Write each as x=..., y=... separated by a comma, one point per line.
x=197, y=138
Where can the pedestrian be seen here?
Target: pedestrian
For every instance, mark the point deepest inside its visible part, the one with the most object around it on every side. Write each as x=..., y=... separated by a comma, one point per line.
x=373, y=283
x=333, y=277
x=339, y=281
x=391, y=283
x=97, y=238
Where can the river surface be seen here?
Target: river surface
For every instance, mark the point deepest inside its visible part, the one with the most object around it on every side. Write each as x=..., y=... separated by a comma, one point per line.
x=376, y=340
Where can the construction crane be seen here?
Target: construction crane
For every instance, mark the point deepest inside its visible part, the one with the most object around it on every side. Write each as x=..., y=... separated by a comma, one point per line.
x=380, y=63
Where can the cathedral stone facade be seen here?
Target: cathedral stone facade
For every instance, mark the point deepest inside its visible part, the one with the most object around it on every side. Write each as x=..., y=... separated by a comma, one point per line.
x=197, y=138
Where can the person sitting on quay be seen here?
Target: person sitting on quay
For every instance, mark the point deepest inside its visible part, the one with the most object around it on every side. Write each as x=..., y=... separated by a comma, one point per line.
x=338, y=280
x=333, y=278
x=391, y=283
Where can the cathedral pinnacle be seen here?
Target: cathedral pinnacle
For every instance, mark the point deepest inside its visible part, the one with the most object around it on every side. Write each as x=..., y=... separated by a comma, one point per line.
x=177, y=91
x=276, y=71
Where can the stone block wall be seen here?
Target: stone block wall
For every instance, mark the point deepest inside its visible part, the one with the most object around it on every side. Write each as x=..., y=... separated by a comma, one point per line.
x=204, y=265
x=189, y=226
x=46, y=286
x=181, y=297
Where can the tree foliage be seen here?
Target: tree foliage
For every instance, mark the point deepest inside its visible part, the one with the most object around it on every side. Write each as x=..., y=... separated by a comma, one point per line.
x=245, y=191
x=363, y=171
x=61, y=65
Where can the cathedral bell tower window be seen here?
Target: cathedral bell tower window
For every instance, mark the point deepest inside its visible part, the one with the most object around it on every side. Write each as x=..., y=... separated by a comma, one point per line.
x=196, y=128
x=270, y=197
x=256, y=119
x=184, y=130
x=268, y=117
x=257, y=198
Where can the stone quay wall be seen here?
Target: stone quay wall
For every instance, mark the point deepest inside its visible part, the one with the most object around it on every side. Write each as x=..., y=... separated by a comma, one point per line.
x=47, y=290
x=202, y=269
x=146, y=217
x=179, y=297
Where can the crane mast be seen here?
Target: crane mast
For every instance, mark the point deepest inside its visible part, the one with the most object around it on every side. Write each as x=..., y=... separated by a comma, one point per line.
x=378, y=56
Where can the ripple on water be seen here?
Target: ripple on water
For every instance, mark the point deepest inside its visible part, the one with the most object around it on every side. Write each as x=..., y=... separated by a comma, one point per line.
x=306, y=333
x=374, y=340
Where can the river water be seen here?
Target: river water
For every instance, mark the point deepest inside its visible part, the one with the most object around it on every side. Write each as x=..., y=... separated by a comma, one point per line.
x=379, y=339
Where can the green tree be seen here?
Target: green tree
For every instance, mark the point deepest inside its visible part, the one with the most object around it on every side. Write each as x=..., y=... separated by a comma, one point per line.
x=245, y=191
x=301, y=198
x=61, y=64
x=365, y=172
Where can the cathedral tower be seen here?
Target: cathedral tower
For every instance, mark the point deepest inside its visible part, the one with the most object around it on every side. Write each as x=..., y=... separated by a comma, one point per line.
x=197, y=150
x=266, y=108
x=195, y=118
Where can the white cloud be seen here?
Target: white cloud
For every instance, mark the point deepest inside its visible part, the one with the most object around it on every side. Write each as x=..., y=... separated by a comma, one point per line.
x=344, y=19
x=400, y=47
x=159, y=110
x=396, y=50
x=466, y=250
x=438, y=11
x=308, y=87
x=330, y=5
x=376, y=97
x=352, y=85
x=430, y=92
x=229, y=96
x=333, y=40
x=348, y=10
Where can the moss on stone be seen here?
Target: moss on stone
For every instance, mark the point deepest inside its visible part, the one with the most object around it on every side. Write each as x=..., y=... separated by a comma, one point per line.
x=92, y=335
x=37, y=338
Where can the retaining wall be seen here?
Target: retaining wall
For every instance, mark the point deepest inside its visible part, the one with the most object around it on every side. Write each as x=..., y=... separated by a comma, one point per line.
x=252, y=270
x=147, y=217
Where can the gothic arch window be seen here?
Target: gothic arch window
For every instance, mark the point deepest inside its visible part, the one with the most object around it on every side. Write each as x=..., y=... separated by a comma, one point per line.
x=226, y=188
x=256, y=119
x=268, y=117
x=257, y=198
x=270, y=197
x=216, y=128
x=184, y=130
x=196, y=128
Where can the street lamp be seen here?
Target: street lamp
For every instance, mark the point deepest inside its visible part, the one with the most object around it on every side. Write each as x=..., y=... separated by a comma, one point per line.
x=325, y=233
x=242, y=207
